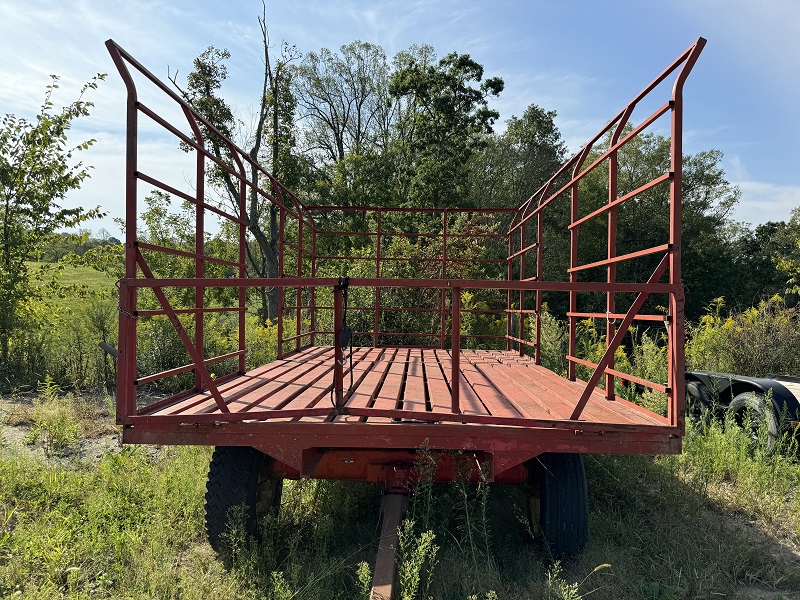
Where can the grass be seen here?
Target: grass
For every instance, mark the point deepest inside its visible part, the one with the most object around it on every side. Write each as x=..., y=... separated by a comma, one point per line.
x=706, y=524
x=83, y=280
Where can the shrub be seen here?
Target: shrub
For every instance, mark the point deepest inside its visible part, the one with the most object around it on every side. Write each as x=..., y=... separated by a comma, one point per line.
x=757, y=341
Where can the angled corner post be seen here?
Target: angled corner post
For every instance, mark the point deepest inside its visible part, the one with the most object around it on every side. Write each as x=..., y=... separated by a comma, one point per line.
x=126, y=370
x=338, y=350
x=675, y=360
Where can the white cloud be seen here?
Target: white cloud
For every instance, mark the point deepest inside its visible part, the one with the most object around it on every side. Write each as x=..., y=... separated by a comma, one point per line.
x=735, y=168
x=762, y=202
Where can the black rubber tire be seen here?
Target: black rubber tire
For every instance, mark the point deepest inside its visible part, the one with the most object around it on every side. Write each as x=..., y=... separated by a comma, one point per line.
x=698, y=403
x=760, y=411
x=563, y=502
x=239, y=475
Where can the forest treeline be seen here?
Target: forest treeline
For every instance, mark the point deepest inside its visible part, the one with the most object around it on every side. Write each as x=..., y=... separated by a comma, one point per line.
x=348, y=127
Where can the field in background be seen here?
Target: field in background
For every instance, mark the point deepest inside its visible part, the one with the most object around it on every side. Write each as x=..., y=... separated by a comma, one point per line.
x=84, y=280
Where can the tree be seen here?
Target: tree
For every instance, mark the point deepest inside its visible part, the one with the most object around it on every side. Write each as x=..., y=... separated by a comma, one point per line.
x=344, y=100
x=37, y=169
x=271, y=143
x=755, y=261
x=450, y=121
x=516, y=163
x=787, y=260
x=348, y=117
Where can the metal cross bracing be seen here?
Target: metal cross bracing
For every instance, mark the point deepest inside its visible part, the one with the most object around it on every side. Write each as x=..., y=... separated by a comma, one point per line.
x=444, y=385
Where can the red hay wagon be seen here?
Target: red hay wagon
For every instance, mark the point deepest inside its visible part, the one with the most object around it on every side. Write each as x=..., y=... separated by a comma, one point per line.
x=322, y=409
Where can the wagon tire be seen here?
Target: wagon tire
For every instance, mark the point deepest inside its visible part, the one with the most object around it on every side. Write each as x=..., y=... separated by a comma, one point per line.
x=698, y=403
x=563, y=505
x=239, y=476
x=762, y=413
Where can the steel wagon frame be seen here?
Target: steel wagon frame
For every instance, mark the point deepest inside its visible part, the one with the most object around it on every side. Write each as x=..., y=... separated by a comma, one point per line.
x=501, y=405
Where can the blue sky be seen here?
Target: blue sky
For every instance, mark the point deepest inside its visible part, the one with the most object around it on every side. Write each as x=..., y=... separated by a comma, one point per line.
x=584, y=59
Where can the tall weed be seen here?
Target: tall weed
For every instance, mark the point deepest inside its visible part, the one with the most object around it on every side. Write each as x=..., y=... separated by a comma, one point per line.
x=55, y=421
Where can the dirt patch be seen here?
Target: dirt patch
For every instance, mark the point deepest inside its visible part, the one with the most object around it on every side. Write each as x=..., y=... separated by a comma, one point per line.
x=97, y=432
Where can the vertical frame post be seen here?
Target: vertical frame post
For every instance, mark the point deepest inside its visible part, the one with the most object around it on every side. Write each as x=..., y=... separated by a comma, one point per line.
x=444, y=276
x=299, y=311
x=675, y=358
x=313, y=309
x=242, y=275
x=455, y=351
x=199, y=248
x=521, y=320
x=611, y=269
x=539, y=277
x=573, y=262
x=338, y=354
x=510, y=271
x=379, y=243
x=281, y=290
x=126, y=370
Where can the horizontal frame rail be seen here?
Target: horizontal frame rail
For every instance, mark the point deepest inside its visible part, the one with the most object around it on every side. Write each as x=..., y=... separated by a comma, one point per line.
x=621, y=258
x=467, y=284
x=188, y=311
x=192, y=255
x=185, y=368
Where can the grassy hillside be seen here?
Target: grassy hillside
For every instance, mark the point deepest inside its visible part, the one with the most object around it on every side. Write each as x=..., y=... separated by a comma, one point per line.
x=80, y=280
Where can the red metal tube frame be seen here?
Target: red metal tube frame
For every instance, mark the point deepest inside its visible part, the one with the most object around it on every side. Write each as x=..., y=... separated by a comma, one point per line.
x=303, y=217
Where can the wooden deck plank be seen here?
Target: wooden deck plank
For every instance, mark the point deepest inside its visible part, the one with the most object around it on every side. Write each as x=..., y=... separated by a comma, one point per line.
x=284, y=387
x=321, y=388
x=596, y=410
x=438, y=388
x=236, y=388
x=415, y=389
x=246, y=397
x=495, y=382
x=533, y=399
x=302, y=394
x=391, y=391
x=365, y=391
x=494, y=398
x=532, y=379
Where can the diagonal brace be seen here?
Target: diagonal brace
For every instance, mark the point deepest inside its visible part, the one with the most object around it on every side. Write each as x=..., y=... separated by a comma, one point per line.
x=173, y=317
x=617, y=340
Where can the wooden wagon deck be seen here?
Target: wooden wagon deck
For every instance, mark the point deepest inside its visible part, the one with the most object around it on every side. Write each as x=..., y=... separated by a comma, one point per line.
x=391, y=384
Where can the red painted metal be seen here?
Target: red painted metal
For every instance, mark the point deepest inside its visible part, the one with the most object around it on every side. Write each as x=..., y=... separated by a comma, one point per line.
x=455, y=345
x=496, y=403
